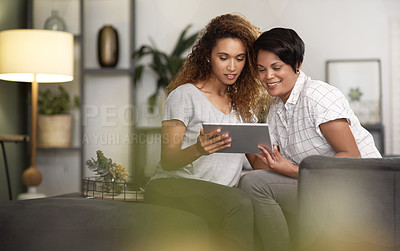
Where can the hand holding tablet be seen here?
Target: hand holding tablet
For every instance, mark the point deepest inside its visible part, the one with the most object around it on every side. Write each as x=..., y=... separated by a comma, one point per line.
x=245, y=137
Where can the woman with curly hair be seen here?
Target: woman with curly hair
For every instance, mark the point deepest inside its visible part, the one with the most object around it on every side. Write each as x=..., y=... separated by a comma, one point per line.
x=217, y=83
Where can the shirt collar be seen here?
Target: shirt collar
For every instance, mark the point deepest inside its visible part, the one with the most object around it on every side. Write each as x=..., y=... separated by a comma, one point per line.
x=298, y=86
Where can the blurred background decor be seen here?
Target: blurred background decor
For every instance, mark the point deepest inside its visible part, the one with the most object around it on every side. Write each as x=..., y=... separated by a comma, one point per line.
x=108, y=46
x=55, y=121
x=360, y=81
x=164, y=65
x=35, y=56
x=112, y=181
x=55, y=22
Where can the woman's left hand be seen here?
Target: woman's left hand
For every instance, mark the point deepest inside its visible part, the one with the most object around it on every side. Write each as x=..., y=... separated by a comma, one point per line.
x=277, y=163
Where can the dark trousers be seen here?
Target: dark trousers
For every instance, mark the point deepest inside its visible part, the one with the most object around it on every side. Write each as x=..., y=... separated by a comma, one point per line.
x=228, y=211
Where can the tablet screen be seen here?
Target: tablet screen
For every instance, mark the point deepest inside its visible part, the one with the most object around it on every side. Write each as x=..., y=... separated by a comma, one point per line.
x=245, y=137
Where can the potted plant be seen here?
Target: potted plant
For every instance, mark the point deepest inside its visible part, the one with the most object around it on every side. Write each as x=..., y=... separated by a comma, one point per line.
x=54, y=120
x=166, y=66
x=111, y=177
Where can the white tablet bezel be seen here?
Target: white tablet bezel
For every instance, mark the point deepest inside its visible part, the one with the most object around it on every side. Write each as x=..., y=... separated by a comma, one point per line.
x=245, y=136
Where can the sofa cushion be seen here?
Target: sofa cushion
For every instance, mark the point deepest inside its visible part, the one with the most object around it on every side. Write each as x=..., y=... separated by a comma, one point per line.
x=76, y=223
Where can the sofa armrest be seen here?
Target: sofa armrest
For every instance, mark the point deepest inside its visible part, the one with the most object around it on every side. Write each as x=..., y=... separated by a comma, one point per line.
x=349, y=204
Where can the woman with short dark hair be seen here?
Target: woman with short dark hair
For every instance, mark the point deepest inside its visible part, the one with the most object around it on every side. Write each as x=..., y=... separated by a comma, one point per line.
x=307, y=117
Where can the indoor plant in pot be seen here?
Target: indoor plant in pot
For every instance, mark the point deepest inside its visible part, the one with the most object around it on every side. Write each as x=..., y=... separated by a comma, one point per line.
x=164, y=65
x=54, y=120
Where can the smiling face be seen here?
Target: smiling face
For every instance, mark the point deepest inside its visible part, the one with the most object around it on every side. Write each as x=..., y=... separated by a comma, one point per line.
x=276, y=76
x=228, y=58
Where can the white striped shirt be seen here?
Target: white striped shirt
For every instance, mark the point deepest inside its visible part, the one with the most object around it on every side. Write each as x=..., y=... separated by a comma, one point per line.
x=294, y=126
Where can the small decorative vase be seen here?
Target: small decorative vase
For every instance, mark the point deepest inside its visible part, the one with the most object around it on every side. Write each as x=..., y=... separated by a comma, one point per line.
x=55, y=22
x=107, y=46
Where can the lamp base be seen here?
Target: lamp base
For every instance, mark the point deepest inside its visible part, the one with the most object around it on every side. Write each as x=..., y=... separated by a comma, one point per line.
x=31, y=177
x=31, y=194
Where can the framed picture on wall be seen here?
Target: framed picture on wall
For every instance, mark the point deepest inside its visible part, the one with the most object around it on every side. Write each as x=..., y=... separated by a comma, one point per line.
x=360, y=82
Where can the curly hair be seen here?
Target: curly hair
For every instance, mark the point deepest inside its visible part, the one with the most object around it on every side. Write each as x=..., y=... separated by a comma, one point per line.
x=247, y=91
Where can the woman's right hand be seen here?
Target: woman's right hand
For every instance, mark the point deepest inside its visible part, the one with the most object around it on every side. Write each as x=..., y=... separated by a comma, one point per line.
x=211, y=142
x=174, y=157
x=277, y=163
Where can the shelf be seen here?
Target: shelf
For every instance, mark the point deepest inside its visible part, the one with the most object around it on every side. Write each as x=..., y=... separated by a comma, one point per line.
x=106, y=71
x=54, y=149
x=84, y=18
x=108, y=90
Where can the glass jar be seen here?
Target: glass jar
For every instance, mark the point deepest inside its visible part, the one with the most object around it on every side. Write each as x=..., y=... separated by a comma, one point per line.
x=55, y=22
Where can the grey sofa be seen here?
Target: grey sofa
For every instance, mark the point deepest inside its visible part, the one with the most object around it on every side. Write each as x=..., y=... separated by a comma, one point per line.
x=344, y=205
x=349, y=204
x=71, y=222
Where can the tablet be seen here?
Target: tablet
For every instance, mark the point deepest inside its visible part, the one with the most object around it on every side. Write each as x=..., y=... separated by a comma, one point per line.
x=245, y=137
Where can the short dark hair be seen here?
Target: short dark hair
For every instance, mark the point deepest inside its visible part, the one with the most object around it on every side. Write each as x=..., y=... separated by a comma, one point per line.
x=285, y=43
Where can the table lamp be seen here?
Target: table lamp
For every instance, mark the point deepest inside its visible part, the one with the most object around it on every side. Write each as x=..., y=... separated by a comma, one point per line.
x=36, y=56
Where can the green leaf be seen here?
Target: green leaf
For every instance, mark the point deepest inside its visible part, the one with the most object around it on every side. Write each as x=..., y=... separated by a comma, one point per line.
x=174, y=64
x=188, y=42
x=104, y=164
x=184, y=43
x=57, y=102
x=164, y=65
x=77, y=102
x=142, y=51
x=138, y=73
x=152, y=102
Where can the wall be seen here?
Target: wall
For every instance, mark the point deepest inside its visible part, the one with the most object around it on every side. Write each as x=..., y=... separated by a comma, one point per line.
x=13, y=108
x=331, y=29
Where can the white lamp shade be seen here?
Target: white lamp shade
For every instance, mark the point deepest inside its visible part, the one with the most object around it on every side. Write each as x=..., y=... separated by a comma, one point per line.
x=47, y=53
